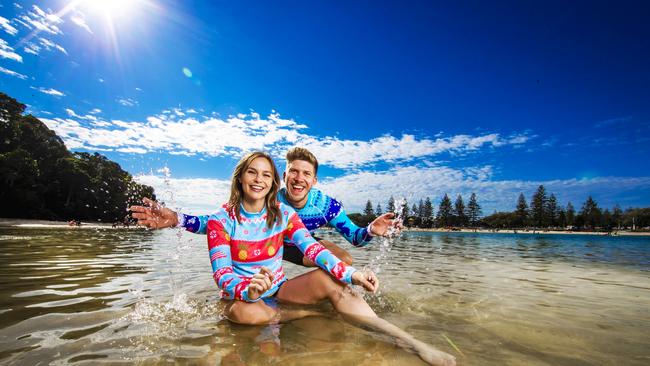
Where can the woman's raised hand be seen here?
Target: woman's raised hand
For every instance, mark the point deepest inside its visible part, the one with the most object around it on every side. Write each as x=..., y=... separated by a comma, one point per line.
x=367, y=279
x=260, y=283
x=154, y=215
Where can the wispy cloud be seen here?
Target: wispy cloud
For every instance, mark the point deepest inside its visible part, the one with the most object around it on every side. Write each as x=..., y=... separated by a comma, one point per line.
x=173, y=132
x=50, y=45
x=12, y=73
x=4, y=24
x=79, y=19
x=127, y=102
x=612, y=121
x=7, y=51
x=49, y=91
x=42, y=21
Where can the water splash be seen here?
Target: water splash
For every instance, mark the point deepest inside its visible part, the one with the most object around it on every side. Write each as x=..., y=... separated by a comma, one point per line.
x=386, y=242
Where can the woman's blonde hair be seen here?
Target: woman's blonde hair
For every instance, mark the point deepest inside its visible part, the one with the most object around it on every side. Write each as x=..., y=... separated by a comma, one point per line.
x=237, y=192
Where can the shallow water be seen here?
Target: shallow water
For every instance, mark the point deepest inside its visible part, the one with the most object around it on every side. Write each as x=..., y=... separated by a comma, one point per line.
x=92, y=296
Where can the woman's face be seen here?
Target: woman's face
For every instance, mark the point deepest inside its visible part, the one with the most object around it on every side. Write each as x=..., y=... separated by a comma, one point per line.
x=257, y=179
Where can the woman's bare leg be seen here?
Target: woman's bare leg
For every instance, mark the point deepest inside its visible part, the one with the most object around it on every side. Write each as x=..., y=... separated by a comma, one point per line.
x=316, y=286
x=258, y=313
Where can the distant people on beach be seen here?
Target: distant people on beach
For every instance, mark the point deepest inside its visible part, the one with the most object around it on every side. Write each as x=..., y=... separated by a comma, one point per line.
x=74, y=223
x=246, y=239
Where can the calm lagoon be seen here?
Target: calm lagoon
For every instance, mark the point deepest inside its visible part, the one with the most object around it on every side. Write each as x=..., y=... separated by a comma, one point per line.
x=117, y=296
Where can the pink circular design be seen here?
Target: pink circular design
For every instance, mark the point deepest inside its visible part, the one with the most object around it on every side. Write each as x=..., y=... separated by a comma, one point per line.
x=245, y=232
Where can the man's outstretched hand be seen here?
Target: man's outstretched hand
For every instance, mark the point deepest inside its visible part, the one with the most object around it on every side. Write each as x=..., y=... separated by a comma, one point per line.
x=154, y=215
x=385, y=225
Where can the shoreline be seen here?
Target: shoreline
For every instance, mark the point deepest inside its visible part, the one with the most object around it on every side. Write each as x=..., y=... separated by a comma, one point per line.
x=531, y=232
x=36, y=224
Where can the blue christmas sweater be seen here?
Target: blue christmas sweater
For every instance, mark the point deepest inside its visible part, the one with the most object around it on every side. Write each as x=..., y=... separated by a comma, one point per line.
x=320, y=210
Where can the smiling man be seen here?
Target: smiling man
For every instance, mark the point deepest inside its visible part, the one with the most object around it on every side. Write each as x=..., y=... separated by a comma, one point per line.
x=315, y=208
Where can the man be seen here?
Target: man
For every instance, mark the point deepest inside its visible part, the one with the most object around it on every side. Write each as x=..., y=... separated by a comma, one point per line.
x=315, y=208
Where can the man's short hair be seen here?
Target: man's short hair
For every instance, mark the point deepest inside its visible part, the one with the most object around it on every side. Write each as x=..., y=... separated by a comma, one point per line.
x=300, y=153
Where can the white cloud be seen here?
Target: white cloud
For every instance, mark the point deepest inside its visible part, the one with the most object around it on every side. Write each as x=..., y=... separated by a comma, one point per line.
x=4, y=24
x=95, y=111
x=49, y=45
x=127, y=102
x=79, y=19
x=197, y=196
x=32, y=48
x=173, y=131
x=18, y=6
x=202, y=196
x=100, y=80
x=12, y=73
x=49, y=91
x=7, y=51
x=43, y=21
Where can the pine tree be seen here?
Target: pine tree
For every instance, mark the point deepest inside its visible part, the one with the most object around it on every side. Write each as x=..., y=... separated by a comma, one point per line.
x=473, y=210
x=459, y=211
x=414, y=210
x=590, y=213
x=561, y=218
x=617, y=216
x=368, y=210
x=521, y=213
x=378, y=210
x=427, y=213
x=552, y=210
x=570, y=214
x=420, y=208
x=445, y=212
x=391, y=205
x=538, y=207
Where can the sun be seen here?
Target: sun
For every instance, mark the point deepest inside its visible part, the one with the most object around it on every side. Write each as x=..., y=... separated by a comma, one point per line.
x=112, y=8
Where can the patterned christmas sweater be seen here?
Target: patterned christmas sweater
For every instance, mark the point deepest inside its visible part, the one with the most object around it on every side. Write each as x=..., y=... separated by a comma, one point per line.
x=320, y=210
x=239, y=249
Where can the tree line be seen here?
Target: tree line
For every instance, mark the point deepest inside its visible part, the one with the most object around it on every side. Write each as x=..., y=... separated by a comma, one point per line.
x=41, y=179
x=543, y=212
x=423, y=214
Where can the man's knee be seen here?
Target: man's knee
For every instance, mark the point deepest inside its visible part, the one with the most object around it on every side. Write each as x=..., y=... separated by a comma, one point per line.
x=340, y=253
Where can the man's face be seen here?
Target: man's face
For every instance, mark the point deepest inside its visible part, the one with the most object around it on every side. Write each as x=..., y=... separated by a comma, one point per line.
x=299, y=178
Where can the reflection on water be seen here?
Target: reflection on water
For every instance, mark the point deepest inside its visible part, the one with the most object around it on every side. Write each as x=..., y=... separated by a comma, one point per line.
x=91, y=296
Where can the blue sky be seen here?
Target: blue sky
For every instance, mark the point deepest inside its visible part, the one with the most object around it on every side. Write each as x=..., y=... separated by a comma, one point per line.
x=404, y=98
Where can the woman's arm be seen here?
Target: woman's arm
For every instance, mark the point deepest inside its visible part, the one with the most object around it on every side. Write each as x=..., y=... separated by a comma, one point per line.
x=315, y=252
x=232, y=285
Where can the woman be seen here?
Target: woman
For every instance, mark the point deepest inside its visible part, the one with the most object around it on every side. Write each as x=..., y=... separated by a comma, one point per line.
x=245, y=241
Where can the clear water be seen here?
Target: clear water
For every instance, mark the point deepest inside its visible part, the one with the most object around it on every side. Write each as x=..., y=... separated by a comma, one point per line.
x=84, y=296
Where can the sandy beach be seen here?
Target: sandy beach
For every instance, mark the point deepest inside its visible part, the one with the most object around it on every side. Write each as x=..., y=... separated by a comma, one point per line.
x=533, y=232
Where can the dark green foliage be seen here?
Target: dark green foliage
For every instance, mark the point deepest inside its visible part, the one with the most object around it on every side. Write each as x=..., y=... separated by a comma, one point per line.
x=538, y=207
x=368, y=211
x=445, y=212
x=460, y=217
x=41, y=179
x=391, y=205
x=473, y=210
x=521, y=212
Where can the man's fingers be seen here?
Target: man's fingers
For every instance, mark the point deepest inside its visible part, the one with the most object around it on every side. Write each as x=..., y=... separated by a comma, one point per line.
x=138, y=209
